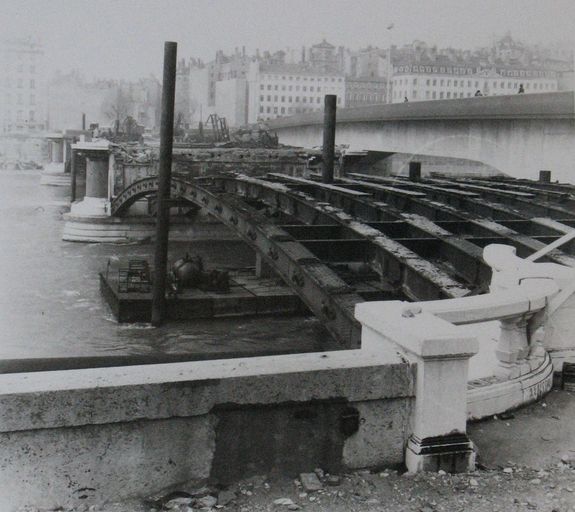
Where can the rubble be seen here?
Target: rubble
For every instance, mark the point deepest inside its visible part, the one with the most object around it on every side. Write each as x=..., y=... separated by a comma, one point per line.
x=310, y=482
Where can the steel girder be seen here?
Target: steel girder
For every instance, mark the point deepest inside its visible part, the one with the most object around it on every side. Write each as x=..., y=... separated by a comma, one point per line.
x=465, y=257
x=418, y=278
x=460, y=205
x=326, y=294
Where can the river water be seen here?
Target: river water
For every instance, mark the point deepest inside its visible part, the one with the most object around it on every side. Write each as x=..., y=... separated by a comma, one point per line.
x=50, y=305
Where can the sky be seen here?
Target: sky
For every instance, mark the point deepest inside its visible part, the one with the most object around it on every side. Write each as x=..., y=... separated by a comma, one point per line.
x=124, y=39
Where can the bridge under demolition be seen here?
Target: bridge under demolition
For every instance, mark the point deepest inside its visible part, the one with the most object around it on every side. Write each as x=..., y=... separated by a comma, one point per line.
x=447, y=300
x=366, y=237
x=408, y=274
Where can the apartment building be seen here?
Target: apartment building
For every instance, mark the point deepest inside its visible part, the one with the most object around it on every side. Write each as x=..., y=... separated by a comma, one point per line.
x=278, y=90
x=23, y=88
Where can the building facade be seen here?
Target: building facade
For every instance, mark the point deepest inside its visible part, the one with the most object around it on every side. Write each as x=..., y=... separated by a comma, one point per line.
x=436, y=82
x=365, y=90
x=295, y=80
x=23, y=105
x=421, y=72
x=279, y=90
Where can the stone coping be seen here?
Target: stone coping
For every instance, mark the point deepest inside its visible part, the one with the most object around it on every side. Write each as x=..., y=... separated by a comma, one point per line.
x=500, y=396
x=549, y=105
x=415, y=331
x=96, y=145
x=41, y=400
x=530, y=296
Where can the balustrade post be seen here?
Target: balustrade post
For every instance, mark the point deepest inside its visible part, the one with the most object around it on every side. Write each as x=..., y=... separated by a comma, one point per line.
x=441, y=352
x=513, y=347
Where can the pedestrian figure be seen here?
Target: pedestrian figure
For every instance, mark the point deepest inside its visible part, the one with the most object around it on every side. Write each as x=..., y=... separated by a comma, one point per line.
x=405, y=100
x=521, y=90
x=478, y=93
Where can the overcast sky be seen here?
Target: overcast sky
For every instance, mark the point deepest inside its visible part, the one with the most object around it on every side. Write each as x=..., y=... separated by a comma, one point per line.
x=124, y=38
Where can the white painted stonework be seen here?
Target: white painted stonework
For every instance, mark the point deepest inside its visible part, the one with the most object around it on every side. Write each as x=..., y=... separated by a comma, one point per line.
x=91, y=207
x=533, y=302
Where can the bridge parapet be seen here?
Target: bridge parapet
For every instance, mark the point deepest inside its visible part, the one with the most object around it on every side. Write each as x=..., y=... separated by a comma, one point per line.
x=517, y=134
x=554, y=105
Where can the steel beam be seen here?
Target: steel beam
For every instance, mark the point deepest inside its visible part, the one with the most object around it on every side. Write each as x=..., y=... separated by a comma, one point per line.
x=326, y=294
x=419, y=279
x=465, y=258
x=452, y=205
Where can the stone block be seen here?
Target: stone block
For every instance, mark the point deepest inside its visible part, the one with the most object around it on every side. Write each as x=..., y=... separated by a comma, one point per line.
x=310, y=482
x=453, y=453
x=90, y=464
x=382, y=434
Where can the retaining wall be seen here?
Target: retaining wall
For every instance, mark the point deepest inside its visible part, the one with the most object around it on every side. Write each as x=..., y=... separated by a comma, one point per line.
x=83, y=436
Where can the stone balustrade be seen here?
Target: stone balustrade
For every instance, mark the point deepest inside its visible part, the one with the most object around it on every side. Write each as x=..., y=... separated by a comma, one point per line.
x=524, y=295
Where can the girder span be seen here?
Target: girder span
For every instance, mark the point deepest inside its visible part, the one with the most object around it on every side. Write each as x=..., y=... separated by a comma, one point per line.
x=326, y=294
x=417, y=278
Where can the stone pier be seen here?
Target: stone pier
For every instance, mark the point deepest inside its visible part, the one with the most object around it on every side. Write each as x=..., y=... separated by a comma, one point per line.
x=95, y=202
x=54, y=170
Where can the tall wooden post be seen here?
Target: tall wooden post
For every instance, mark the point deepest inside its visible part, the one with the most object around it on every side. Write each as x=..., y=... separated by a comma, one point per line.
x=164, y=179
x=414, y=171
x=73, y=172
x=83, y=121
x=330, y=105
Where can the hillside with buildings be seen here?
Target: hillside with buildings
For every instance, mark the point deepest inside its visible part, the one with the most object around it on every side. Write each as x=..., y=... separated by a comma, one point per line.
x=265, y=85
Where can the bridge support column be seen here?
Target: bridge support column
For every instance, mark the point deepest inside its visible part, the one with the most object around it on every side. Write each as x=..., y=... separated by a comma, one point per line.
x=96, y=200
x=414, y=171
x=330, y=106
x=58, y=151
x=53, y=173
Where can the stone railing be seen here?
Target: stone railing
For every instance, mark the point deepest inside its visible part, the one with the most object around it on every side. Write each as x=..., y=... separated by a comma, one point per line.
x=523, y=296
x=81, y=437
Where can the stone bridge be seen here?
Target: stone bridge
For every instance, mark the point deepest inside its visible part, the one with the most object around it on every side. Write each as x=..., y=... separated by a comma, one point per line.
x=518, y=135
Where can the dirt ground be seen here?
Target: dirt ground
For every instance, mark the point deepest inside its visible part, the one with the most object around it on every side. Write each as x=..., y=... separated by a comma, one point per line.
x=526, y=462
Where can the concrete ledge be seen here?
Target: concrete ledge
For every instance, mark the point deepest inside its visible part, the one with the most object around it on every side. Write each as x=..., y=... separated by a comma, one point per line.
x=419, y=333
x=530, y=296
x=498, y=397
x=551, y=105
x=80, y=397
x=84, y=436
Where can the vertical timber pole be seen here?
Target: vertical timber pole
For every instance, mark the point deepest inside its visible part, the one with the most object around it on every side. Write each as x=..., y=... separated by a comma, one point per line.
x=83, y=121
x=164, y=179
x=72, y=175
x=414, y=171
x=330, y=102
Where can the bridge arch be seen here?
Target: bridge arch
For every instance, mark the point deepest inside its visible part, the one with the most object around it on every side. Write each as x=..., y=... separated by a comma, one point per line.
x=330, y=298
